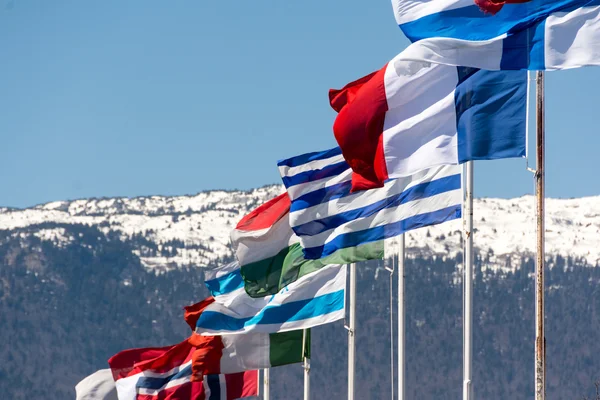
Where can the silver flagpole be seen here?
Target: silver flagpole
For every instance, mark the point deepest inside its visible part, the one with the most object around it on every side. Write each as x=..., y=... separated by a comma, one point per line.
x=306, y=369
x=540, y=338
x=401, y=318
x=468, y=286
x=352, y=332
x=266, y=384
x=258, y=385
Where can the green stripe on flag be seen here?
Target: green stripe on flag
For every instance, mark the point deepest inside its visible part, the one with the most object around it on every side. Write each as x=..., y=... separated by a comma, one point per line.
x=285, y=348
x=267, y=277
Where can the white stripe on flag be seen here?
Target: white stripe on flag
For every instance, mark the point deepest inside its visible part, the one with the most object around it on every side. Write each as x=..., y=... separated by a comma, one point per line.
x=284, y=170
x=311, y=300
x=358, y=200
x=328, y=218
x=387, y=216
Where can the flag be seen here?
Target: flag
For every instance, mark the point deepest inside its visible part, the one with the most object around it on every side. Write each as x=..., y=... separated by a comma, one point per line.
x=330, y=219
x=410, y=116
x=236, y=353
x=495, y=34
x=268, y=251
x=98, y=386
x=313, y=299
x=166, y=373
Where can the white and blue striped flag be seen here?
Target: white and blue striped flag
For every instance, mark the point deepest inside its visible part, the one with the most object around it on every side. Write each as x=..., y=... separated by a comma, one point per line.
x=314, y=299
x=330, y=220
x=502, y=35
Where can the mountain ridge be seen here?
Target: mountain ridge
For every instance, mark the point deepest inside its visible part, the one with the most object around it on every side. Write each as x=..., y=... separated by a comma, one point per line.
x=193, y=230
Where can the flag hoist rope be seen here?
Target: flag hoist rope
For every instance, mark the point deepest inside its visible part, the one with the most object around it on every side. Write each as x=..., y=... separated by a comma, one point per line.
x=540, y=338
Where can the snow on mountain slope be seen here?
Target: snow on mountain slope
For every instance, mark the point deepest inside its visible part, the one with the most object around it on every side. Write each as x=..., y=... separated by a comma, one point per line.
x=203, y=223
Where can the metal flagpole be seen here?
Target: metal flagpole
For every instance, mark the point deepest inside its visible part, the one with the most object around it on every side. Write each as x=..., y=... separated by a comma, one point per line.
x=401, y=318
x=352, y=332
x=258, y=385
x=306, y=368
x=540, y=338
x=266, y=384
x=468, y=286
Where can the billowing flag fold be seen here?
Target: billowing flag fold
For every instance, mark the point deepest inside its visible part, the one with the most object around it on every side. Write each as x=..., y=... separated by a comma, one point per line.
x=98, y=386
x=166, y=374
x=313, y=299
x=411, y=116
x=332, y=221
x=502, y=35
x=236, y=353
x=268, y=250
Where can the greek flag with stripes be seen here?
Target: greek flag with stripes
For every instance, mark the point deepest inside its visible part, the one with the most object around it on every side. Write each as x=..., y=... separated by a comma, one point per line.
x=329, y=219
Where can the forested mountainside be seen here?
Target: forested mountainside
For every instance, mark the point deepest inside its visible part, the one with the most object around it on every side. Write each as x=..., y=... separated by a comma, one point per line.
x=66, y=306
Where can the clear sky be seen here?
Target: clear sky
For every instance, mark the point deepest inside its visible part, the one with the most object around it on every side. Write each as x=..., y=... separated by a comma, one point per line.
x=140, y=97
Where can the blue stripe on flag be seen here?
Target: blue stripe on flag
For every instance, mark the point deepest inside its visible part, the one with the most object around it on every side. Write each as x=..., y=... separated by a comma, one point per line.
x=353, y=239
x=156, y=383
x=470, y=23
x=525, y=49
x=214, y=384
x=417, y=192
x=226, y=283
x=315, y=175
x=490, y=114
x=323, y=195
x=309, y=157
x=287, y=312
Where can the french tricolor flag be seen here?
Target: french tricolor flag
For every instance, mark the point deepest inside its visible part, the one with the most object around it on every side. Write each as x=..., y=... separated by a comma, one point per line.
x=165, y=373
x=410, y=116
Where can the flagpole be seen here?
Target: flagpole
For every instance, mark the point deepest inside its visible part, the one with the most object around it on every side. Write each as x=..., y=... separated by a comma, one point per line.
x=540, y=338
x=401, y=318
x=351, y=332
x=258, y=385
x=306, y=368
x=266, y=384
x=468, y=286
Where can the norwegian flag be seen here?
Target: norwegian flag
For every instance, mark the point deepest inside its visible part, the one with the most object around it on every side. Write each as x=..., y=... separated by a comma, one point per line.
x=165, y=373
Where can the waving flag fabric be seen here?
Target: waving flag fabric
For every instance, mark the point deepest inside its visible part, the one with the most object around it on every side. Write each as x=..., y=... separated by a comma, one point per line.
x=166, y=374
x=329, y=219
x=98, y=386
x=411, y=116
x=237, y=353
x=314, y=299
x=494, y=34
x=268, y=251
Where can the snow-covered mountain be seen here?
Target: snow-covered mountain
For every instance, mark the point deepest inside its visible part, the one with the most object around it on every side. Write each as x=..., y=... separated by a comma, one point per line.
x=194, y=230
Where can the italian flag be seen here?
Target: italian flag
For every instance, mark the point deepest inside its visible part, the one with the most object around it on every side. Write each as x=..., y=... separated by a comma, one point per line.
x=228, y=354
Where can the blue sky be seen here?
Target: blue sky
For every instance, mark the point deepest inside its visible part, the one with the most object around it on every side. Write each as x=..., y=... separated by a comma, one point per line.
x=141, y=97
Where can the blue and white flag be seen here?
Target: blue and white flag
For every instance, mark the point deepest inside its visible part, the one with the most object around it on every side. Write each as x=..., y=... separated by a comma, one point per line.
x=314, y=299
x=329, y=219
x=510, y=34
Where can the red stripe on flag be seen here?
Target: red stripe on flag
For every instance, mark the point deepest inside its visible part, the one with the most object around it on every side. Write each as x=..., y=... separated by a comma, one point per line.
x=358, y=128
x=192, y=313
x=266, y=215
x=131, y=362
x=122, y=363
x=206, y=359
x=241, y=385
